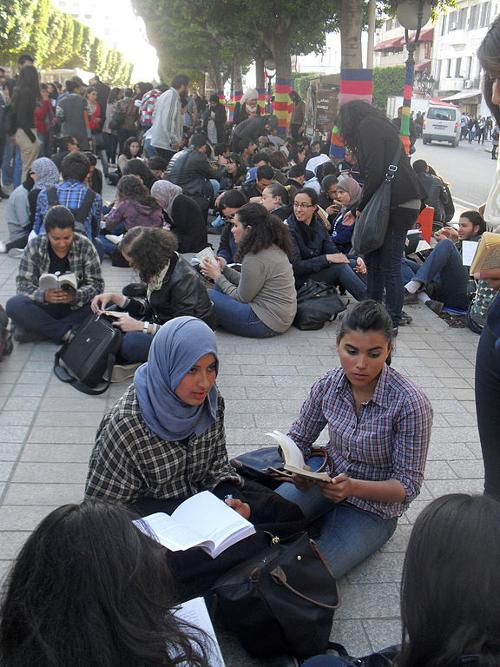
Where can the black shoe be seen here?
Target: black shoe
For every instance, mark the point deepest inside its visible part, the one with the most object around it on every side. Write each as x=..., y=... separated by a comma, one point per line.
x=405, y=319
x=435, y=306
x=3, y=195
x=135, y=289
x=410, y=298
x=24, y=336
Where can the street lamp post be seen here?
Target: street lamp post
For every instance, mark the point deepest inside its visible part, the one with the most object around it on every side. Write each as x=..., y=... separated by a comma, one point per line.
x=412, y=15
x=270, y=74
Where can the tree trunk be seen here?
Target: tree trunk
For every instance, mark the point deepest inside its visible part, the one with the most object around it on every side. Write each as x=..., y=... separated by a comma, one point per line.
x=236, y=82
x=351, y=22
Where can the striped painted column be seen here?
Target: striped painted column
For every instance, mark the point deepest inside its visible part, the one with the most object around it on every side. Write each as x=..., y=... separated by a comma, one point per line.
x=261, y=101
x=407, y=95
x=355, y=84
x=236, y=97
x=282, y=105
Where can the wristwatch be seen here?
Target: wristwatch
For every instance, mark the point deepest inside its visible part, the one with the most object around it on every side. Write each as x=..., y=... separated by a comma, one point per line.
x=145, y=328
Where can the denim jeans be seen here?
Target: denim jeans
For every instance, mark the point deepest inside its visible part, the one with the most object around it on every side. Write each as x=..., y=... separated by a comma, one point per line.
x=51, y=321
x=135, y=347
x=12, y=165
x=487, y=408
x=348, y=534
x=342, y=275
x=149, y=150
x=444, y=266
x=384, y=264
x=408, y=270
x=327, y=661
x=238, y=318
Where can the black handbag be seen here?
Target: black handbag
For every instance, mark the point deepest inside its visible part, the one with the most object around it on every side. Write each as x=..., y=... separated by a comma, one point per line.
x=89, y=356
x=281, y=601
x=317, y=303
x=383, y=658
x=371, y=226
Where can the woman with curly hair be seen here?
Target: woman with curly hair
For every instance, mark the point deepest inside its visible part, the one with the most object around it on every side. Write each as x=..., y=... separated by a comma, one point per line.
x=89, y=588
x=134, y=207
x=131, y=149
x=261, y=300
x=172, y=288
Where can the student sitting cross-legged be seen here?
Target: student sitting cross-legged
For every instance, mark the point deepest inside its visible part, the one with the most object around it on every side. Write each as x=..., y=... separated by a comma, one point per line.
x=53, y=313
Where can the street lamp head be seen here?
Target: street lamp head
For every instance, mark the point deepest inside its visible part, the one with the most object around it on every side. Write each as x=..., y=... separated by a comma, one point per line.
x=413, y=14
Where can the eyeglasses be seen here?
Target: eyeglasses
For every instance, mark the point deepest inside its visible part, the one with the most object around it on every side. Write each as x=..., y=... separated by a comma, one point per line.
x=301, y=205
x=229, y=218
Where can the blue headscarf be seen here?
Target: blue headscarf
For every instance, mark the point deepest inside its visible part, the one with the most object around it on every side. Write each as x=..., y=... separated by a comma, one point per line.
x=175, y=350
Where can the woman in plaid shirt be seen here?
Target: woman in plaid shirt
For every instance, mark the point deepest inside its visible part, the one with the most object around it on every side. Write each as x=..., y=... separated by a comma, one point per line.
x=379, y=425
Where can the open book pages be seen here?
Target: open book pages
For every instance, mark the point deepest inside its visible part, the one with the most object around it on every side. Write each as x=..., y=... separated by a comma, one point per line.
x=202, y=521
x=206, y=254
x=195, y=613
x=487, y=254
x=53, y=281
x=294, y=460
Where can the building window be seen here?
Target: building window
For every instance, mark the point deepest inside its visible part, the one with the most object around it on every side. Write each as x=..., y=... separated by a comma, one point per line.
x=438, y=69
x=485, y=14
x=462, y=16
x=453, y=22
x=468, y=66
x=448, y=68
x=473, y=17
x=458, y=65
x=443, y=25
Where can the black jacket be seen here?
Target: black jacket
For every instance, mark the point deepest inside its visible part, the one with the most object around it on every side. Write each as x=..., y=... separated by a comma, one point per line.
x=433, y=188
x=220, y=120
x=191, y=170
x=310, y=257
x=182, y=293
x=188, y=224
x=251, y=128
x=378, y=141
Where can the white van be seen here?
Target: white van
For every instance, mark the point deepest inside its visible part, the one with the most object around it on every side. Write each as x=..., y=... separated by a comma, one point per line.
x=442, y=123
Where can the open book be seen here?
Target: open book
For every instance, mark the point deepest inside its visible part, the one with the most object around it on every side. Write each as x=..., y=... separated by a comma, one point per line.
x=55, y=281
x=200, y=521
x=195, y=613
x=487, y=254
x=206, y=254
x=294, y=459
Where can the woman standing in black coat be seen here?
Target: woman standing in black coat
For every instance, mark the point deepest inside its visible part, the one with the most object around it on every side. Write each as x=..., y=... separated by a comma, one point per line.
x=24, y=102
x=374, y=141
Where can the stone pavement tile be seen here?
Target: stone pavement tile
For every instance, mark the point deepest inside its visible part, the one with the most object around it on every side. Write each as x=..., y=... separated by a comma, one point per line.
x=399, y=539
x=475, y=449
x=278, y=421
x=352, y=636
x=449, y=451
x=383, y=632
x=62, y=434
x=468, y=469
x=361, y=601
x=88, y=419
x=43, y=494
x=50, y=473
x=253, y=381
x=446, y=406
x=15, y=418
x=71, y=405
x=269, y=370
x=29, y=377
x=302, y=380
x=257, y=406
x=21, y=404
x=5, y=388
x=9, y=377
x=440, y=470
x=11, y=542
x=239, y=420
x=456, y=383
x=56, y=453
x=283, y=392
x=5, y=470
x=380, y=568
x=463, y=394
x=28, y=390
x=13, y=433
x=5, y=566
x=246, y=359
x=443, y=486
x=464, y=419
x=417, y=506
x=252, y=438
x=454, y=434
x=9, y=451
x=18, y=519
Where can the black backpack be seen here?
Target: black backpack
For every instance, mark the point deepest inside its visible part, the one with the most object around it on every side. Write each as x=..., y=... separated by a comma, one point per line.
x=5, y=334
x=80, y=213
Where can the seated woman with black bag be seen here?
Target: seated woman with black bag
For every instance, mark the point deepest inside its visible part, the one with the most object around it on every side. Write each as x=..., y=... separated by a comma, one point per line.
x=172, y=288
x=315, y=255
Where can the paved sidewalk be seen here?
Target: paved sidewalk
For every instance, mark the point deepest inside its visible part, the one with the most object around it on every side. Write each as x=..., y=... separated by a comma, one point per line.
x=47, y=430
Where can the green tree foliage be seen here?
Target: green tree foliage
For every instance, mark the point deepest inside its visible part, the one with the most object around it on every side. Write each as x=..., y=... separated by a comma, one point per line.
x=15, y=26
x=39, y=34
x=387, y=81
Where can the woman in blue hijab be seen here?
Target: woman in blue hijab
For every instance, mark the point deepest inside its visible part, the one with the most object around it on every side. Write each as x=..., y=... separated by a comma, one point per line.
x=164, y=440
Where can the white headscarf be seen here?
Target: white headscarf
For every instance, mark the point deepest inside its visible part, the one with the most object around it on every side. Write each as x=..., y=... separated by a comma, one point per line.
x=167, y=192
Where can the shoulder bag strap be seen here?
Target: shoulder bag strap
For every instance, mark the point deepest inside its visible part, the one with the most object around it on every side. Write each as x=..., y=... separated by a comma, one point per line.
x=393, y=166
x=63, y=375
x=82, y=212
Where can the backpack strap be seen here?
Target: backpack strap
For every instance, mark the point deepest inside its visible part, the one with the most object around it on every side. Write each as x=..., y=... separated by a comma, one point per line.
x=52, y=197
x=63, y=375
x=82, y=212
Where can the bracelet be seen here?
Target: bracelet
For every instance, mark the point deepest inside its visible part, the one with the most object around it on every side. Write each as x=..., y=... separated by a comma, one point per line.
x=145, y=328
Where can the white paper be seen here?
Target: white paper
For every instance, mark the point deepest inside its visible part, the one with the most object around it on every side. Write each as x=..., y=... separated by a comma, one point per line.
x=206, y=253
x=294, y=456
x=195, y=613
x=468, y=251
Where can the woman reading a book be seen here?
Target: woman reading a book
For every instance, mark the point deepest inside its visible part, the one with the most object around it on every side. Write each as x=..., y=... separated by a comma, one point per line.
x=89, y=588
x=379, y=426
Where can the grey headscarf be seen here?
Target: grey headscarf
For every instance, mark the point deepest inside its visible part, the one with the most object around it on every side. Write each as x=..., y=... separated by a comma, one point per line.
x=167, y=192
x=47, y=174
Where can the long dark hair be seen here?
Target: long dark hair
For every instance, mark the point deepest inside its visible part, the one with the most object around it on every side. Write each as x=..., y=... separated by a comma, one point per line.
x=137, y=167
x=264, y=230
x=131, y=187
x=349, y=119
x=149, y=249
x=489, y=57
x=126, y=148
x=89, y=588
x=114, y=95
x=27, y=89
x=450, y=595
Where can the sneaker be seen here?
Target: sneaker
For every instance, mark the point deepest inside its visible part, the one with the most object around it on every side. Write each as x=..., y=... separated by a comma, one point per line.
x=3, y=248
x=24, y=336
x=16, y=253
x=409, y=299
x=405, y=319
x=435, y=306
x=122, y=372
x=114, y=239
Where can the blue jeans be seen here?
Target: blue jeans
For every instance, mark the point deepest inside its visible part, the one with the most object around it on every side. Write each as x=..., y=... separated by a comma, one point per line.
x=444, y=266
x=149, y=150
x=327, y=661
x=487, y=408
x=238, y=318
x=384, y=264
x=12, y=166
x=408, y=270
x=341, y=275
x=215, y=186
x=348, y=534
x=51, y=321
x=135, y=347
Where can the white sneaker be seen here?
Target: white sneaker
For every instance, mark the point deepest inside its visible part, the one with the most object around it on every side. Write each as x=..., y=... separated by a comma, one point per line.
x=3, y=248
x=16, y=253
x=114, y=239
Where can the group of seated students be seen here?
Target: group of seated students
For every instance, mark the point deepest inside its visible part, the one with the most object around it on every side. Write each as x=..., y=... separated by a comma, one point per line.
x=89, y=587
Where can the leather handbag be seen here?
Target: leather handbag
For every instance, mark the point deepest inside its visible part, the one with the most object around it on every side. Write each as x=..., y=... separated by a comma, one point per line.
x=317, y=303
x=281, y=601
x=371, y=226
x=383, y=658
x=89, y=356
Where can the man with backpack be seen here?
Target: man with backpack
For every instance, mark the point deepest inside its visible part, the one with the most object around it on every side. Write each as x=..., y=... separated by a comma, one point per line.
x=83, y=202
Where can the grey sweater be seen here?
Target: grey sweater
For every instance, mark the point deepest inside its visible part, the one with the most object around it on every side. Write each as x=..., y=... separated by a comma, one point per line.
x=266, y=283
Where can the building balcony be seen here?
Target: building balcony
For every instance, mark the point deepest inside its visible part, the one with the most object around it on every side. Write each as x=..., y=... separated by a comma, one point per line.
x=455, y=83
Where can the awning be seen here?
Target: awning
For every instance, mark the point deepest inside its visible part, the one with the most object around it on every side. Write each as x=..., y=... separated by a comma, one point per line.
x=425, y=64
x=462, y=95
x=388, y=44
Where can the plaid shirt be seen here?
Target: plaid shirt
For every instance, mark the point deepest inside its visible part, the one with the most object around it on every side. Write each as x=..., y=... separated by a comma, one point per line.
x=148, y=102
x=71, y=194
x=387, y=440
x=129, y=461
x=83, y=262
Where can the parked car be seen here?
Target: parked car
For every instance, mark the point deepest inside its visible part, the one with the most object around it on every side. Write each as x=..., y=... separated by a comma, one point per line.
x=442, y=123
